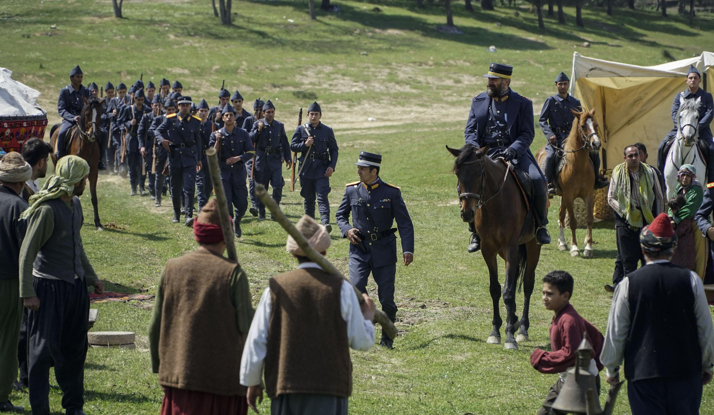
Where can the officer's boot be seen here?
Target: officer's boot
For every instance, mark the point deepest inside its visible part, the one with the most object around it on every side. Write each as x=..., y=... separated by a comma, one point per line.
x=251, y=191
x=600, y=181
x=541, y=210
x=236, y=226
x=386, y=341
x=189, y=211
x=550, y=174
x=159, y=188
x=61, y=151
x=475, y=244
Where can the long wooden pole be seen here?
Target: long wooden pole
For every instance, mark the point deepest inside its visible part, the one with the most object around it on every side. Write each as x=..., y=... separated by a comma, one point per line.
x=278, y=215
x=215, y=170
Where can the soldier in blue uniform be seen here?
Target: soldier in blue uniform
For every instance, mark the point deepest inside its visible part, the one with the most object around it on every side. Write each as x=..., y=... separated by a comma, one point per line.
x=177, y=87
x=234, y=149
x=114, y=108
x=148, y=143
x=503, y=120
x=180, y=136
x=318, y=157
x=93, y=90
x=374, y=206
x=203, y=177
x=69, y=105
x=162, y=154
x=105, y=147
x=556, y=120
x=216, y=113
x=130, y=119
x=272, y=150
x=164, y=86
x=241, y=114
x=149, y=92
x=248, y=126
x=706, y=113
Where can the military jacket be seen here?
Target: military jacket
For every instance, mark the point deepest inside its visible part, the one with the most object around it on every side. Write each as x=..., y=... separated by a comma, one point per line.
x=248, y=123
x=556, y=117
x=71, y=102
x=374, y=209
x=271, y=145
x=129, y=113
x=706, y=111
x=323, y=153
x=185, y=136
x=146, y=133
x=235, y=143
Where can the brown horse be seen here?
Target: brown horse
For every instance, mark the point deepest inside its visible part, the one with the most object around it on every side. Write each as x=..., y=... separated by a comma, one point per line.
x=488, y=194
x=577, y=179
x=83, y=141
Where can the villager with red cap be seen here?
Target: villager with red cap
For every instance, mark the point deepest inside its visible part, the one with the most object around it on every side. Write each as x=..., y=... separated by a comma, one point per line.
x=660, y=325
x=201, y=319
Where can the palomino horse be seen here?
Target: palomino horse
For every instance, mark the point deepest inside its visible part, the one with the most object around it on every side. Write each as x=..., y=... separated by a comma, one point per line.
x=489, y=193
x=83, y=140
x=577, y=179
x=684, y=148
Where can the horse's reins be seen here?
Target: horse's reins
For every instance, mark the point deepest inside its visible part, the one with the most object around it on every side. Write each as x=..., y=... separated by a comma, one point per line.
x=478, y=197
x=586, y=138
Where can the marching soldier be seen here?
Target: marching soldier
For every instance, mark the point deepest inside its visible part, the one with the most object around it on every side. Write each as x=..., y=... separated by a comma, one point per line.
x=272, y=150
x=374, y=206
x=105, y=147
x=503, y=120
x=203, y=177
x=248, y=126
x=150, y=91
x=241, y=114
x=148, y=143
x=177, y=87
x=318, y=157
x=180, y=135
x=69, y=105
x=131, y=117
x=113, y=112
x=164, y=86
x=162, y=155
x=234, y=148
x=556, y=120
x=93, y=90
x=216, y=113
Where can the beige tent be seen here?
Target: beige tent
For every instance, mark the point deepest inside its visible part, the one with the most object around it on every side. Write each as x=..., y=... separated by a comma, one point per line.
x=633, y=103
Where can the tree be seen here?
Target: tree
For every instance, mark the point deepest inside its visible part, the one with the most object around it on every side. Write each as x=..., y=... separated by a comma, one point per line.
x=664, y=8
x=225, y=6
x=609, y=7
x=449, y=17
x=691, y=12
x=579, y=13
x=312, y=9
x=215, y=10
x=468, y=6
x=550, y=8
x=117, y=8
x=325, y=5
x=420, y=4
x=561, y=15
x=487, y=4
x=631, y=4
x=539, y=11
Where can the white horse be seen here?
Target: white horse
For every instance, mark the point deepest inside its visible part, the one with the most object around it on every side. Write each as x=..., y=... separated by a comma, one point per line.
x=684, y=149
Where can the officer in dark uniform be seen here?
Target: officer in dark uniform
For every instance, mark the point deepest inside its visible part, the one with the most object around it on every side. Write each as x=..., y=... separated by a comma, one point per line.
x=556, y=120
x=114, y=108
x=203, y=177
x=180, y=135
x=69, y=105
x=164, y=86
x=177, y=87
x=248, y=126
x=234, y=149
x=216, y=113
x=130, y=120
x=503, y=120
x=162, y=154
x=272, y=150
x=374, y=206
x=148, y=143
x=318, y=157
x=241, y=114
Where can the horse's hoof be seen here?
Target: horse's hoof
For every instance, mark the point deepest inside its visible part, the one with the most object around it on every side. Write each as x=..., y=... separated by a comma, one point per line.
x=562, y=247
x=521, y=338
x=588, y=253
x=493, y=340
x=574, y=253
x=100, y=228
x=511, y=346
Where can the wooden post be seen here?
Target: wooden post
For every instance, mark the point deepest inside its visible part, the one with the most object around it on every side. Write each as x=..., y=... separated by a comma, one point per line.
x=379, y=315
x=215, y=170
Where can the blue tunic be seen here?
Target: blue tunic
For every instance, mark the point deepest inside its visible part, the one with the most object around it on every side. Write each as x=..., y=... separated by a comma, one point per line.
x=556, y=116
x=323, y=153
x=706, y=111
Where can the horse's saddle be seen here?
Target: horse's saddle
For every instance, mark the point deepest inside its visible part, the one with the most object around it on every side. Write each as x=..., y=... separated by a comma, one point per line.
x=524, y=183
x=664, y=150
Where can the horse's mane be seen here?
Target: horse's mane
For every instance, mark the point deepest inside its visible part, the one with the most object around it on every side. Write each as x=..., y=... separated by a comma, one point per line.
x=465, y=154
x=690, y=105
x=576, y=120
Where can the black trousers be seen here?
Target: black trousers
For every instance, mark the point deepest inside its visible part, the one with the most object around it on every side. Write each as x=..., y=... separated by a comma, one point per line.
x=666, y=396
x=135, y=177
x=629, y=252
x=22, y=349
x=58, y=336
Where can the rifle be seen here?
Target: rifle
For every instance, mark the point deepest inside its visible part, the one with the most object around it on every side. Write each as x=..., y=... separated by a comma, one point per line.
x=292, y=175
x=302, y=167
x=126, y=136
x=101, y=92
x=153, y=148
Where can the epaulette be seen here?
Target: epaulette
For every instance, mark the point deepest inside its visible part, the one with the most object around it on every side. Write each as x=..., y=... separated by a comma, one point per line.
x=391, y=185
x=197, y=118
x=526, y=97
x=710, y=185
x=352, y=184
x=171, y=115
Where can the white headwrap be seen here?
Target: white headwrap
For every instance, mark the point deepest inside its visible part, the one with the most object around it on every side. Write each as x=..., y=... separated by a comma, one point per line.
x=14, y=169
x=316, y=235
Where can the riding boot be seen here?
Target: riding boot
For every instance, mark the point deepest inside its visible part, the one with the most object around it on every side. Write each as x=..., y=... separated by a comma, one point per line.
x=475, y=243
x=600, y=181
x=541, y=209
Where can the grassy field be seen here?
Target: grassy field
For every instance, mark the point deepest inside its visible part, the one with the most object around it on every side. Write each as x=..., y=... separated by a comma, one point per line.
x=390, y=65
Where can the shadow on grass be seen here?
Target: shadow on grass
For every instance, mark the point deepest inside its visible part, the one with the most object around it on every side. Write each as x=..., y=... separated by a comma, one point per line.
x=154, y=236
x=447, y=336
x=95, y=366
x=117, y=397
x=261, y=244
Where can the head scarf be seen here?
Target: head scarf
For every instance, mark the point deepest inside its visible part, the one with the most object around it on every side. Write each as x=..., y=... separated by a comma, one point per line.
x=687, y=168
x=14, y=169
x=207, y=226
x=658, y=237
x=316, y=235
x=69, y=171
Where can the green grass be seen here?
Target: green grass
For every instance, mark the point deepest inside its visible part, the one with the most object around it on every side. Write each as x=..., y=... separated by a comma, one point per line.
x=418, y=84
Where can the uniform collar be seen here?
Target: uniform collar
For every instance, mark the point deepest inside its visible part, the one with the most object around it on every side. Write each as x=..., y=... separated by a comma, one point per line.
x=559, y=98
x=372, y=186
x=689, y=94
x=504, y=97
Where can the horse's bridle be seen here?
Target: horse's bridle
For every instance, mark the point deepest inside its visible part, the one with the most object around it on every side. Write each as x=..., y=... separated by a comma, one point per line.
x=479, y=198
x=85, y=134
x=586, y=144
x=682, y=127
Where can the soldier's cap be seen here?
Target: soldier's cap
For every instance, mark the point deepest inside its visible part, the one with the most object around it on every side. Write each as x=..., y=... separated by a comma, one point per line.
x=498, y=70
x=132, y=89
x=692, y=69
x=164, y=81
x=174, y=96
x=258, y=104
x=121, y=86
x=236, y=95
x=224, y=93
x=184, y=100
x=228, y=108
x=108, y=86
x=156, y=100
x=193, y=107
x=203, y=105
x=93, y=87
x=150, y=85
x=176, y=84
x=369, y=159
x=169, y=103
x=139, y=84
x=139, y=94
x=76, y=71
x=268, y=106
x=562, y=77
x=314, y=107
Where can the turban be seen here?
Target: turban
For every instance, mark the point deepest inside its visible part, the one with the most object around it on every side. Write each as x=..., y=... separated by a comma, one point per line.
x=207, y=226
x=69, y=171
x=689, y=169
x=14, y=169
x=316, y=235
x=658, y=237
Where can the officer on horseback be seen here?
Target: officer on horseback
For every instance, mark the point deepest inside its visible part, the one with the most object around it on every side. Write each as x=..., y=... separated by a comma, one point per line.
x=69, y=105
x=503, y=120
x=556, y=120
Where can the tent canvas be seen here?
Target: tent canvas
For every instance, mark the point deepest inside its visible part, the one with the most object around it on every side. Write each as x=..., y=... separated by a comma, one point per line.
x=633, y=103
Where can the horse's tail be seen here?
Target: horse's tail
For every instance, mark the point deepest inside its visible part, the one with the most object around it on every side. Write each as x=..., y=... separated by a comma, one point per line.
x=522, y=265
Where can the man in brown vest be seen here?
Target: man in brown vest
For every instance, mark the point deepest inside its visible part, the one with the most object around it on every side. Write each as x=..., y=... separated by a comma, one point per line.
x=304, y=326
x=201, y=318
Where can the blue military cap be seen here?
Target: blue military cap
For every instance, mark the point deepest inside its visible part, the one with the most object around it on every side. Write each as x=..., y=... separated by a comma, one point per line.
x=163, y=82
x=169, y=103
x=258, y=104
x=132, y=89
x=121, y=86
x=236, y=95
x=203, y=105
x=193, y=107
x=228, y=108
x=139, y=84
x=224, y=93
x=268, y=106
x=76, y=71
x=157, y=99
x=176, y=84
x=174, y=96
x=369, y=159
x=139, y=93
x=692, y=69
x=184, y=100
x=562, y=77
x=498, y=70
x=108, y=86
x=93, y=87
x=314, y=107
x=150, y=85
